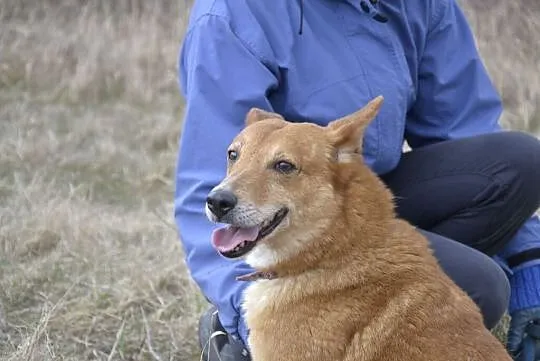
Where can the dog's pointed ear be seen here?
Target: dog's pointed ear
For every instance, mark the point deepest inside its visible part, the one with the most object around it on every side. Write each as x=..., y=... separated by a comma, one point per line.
x=346, y=133
x=256, y=114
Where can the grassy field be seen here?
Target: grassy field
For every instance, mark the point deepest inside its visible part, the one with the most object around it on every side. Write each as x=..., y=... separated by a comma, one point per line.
x=90, y=115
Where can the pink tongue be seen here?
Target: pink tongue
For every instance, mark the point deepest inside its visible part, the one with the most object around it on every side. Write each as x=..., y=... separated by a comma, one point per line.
x=227, y=238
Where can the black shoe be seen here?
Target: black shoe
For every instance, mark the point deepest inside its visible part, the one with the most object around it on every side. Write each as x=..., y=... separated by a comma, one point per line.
x=215, y=343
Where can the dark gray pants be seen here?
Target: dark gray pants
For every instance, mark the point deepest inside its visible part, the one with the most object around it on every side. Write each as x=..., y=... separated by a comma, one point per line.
x=469, y=197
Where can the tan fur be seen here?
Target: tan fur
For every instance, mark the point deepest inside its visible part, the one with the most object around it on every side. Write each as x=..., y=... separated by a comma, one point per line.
x=353, y=281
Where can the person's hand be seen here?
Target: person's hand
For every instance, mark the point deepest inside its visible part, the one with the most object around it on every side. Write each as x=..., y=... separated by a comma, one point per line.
x=524, y=335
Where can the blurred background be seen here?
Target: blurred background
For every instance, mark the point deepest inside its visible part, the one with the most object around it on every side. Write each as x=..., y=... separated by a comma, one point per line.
x=90, y=114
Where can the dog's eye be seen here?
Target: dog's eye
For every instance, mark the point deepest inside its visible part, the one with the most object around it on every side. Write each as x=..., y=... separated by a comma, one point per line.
x=232, y=155
x=284, y=167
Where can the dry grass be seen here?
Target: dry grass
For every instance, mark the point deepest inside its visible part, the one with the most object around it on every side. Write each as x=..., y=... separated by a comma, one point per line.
x=90, y=263
x=507, y=36
x=89, y=122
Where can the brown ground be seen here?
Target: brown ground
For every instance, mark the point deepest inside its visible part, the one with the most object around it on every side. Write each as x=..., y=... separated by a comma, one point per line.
x=90, y=263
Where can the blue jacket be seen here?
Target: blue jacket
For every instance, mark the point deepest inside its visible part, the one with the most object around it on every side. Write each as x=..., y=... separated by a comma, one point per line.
x=318, y=60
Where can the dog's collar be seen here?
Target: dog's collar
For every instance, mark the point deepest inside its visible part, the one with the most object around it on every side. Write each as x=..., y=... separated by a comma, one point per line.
x=257, y=275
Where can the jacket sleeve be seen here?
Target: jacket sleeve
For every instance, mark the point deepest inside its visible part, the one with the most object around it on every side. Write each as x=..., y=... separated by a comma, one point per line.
x=220, y=79
x=455, y=96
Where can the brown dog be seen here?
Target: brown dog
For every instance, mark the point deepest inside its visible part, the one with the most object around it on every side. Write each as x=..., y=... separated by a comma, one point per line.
x=339, y=276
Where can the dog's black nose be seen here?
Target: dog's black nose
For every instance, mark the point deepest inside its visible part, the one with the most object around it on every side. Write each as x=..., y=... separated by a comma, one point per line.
x=220, y=202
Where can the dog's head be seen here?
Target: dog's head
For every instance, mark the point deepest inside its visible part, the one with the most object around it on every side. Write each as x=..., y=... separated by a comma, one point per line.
x=280, y=193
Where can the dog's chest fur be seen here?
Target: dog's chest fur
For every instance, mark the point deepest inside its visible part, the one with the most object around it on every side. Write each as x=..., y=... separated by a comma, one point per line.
x=287, y=326
x=265, y=295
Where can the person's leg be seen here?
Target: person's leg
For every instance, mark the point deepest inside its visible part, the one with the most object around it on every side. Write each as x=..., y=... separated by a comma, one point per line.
x=477, y=191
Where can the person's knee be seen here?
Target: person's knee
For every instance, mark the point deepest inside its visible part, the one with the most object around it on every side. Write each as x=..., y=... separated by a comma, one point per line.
x=491, y=293
x=514, y=166
x=520, y=152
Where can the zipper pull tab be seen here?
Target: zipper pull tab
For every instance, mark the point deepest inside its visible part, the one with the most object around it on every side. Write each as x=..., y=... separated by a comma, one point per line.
x=365, y=6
